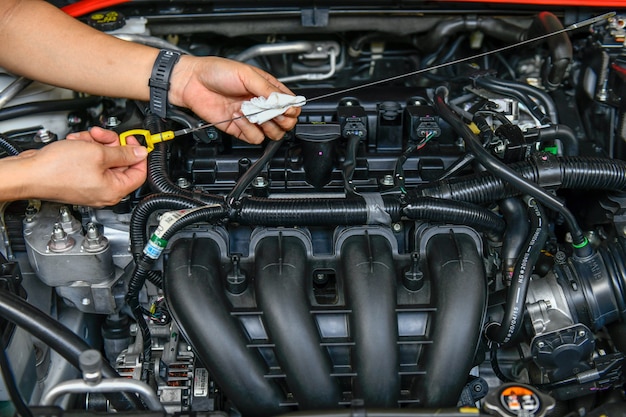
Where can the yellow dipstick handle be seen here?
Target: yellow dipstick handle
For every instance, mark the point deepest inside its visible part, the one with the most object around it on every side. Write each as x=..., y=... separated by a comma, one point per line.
x=151, y=138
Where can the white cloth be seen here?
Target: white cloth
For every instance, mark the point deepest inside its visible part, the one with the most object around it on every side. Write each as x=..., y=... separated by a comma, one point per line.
x=260, y=109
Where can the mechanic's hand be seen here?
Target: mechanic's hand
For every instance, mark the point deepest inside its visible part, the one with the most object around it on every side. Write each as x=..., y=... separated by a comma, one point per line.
x=214, y=89
x=89, y=168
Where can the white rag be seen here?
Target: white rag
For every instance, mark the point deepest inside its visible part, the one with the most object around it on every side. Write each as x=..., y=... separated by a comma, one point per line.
x=260, y=109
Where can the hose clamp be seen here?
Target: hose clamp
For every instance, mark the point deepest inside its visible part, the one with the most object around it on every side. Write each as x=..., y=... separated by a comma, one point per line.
x=548, y=169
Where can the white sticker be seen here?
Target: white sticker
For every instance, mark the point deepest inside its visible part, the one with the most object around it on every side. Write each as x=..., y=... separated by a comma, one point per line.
x=201, y=383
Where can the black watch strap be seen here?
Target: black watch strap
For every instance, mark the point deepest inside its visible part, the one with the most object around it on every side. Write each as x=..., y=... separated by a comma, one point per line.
x=160, y=81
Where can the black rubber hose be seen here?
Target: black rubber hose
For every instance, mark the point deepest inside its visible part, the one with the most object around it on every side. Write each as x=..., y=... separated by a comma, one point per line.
x=497, y=28
x=544, y=98
x=503, y=333
x=501, y=170
x=561, y=51
x=9, y=147
x=455, y=212
x=492, y=84
x=60, y=339
x=556, y=131
x=149, y=205
x=517, y=227
x=581, y=173
x=253, y=171
x=48, y=106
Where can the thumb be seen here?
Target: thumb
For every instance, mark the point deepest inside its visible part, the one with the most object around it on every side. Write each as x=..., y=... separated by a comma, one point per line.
x=124, y=156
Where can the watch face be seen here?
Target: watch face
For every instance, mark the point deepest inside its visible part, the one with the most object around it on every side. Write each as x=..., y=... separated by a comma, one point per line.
x=519, y=401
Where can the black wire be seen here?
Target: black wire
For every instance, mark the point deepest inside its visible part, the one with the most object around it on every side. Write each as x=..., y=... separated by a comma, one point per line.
x=11, y=386
x=493, y=359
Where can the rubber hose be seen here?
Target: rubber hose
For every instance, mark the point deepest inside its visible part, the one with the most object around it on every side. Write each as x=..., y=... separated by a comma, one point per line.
x=561, y=132
x=9, y=147
x=545, y=98
x=506, y=331
x=489, y=84
x=450, y=27
x=426, y=208
x=561, y=51
x=501, y=170
x=60, y=339
x=517, y=227
x=581, y=173
x=47, y=106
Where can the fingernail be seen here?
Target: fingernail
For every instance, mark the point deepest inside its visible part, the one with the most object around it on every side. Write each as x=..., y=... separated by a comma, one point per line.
x=140, y=151
x=280, y=118
x=72, y=136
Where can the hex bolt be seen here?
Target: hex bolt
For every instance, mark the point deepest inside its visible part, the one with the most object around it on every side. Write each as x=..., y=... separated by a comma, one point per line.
x=396, y=227
x=540, y=345
x=90, y=363
x=112, y=121
x=183, y=182
x=94, y=240
x=92, y=231
x=387, y=180
x=58, y=233
x=260, y=182
x=65, y=214
x=582, y=333
x=45, y=136
x=59, y=240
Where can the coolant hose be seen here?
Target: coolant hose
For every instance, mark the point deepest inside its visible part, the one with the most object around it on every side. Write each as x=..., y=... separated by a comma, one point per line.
x=447, y=28
x=505, y=332
x=517, y=227
x=9, y=147
x=60, y=339
x=561, y=52
x=501, y=170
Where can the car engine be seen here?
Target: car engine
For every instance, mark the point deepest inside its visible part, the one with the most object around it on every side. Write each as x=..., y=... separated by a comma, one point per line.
x=443, y=232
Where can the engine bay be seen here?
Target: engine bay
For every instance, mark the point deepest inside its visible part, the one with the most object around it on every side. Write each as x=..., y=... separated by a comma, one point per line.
x=441, y=233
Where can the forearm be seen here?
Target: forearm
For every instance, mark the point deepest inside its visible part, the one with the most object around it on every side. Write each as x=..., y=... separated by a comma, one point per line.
x=69, y=53
x=14, y=172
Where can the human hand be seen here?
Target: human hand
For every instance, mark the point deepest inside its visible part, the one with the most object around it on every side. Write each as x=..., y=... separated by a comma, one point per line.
x=214, y=89
x=89, y=168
